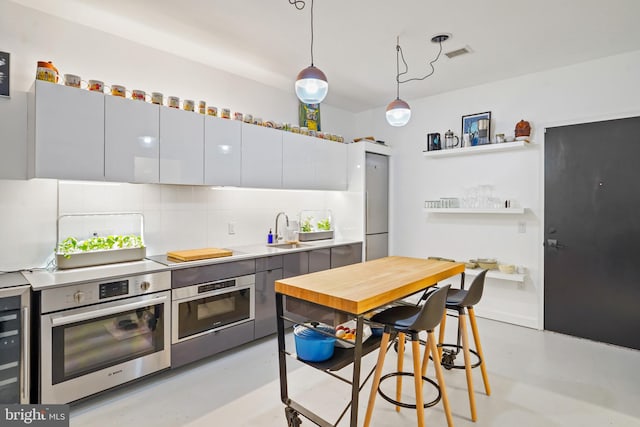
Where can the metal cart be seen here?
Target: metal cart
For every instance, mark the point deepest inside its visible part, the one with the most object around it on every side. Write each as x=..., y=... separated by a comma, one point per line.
x=354, y=291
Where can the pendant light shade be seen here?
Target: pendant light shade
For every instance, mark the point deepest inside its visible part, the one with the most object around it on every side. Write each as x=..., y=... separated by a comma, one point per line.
x=311, y=85
x=398, y=113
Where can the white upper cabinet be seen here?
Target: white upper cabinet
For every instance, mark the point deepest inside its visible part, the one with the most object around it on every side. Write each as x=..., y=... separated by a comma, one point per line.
x=66, y=133
x=222, y=151
x=313, y=163
x=298, y=161
x=13, y=136
x=331, y=166
x=181, y=147
x=261, y=157
x=131, y=150
x=81, y=135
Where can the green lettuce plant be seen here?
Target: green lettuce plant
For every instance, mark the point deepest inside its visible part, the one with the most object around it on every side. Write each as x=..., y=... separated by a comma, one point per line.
x=306, y=226
x=324, y=224
x=71, y=245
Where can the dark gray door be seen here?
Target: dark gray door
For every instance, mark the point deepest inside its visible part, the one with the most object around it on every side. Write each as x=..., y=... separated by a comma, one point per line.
x=592, y=231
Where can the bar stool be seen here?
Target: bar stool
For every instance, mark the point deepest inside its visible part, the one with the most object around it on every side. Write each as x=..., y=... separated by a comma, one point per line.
x=462, y=301
x=410, y=320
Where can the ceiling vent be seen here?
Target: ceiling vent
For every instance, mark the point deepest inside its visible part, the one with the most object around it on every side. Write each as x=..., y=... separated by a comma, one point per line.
x=458, y=52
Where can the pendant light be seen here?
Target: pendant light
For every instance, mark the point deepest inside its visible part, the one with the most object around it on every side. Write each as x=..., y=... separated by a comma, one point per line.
x=311, y=83
x=398, y=112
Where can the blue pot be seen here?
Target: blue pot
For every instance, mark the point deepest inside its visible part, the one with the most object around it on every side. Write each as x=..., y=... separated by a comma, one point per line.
x=312, y=346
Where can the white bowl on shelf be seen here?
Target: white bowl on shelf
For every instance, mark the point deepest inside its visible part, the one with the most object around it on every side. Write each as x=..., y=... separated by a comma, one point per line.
x=507, y=268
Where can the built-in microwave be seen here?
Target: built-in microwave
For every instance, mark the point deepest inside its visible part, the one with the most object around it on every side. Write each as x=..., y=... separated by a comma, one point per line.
x=204, y=308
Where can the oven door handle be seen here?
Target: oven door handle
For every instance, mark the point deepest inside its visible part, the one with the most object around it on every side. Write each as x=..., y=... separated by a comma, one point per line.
x=74, y=318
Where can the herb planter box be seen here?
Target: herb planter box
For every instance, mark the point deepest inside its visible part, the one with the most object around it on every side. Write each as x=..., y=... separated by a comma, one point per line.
x=96, y=239
x=86, y=259
x=315, y=235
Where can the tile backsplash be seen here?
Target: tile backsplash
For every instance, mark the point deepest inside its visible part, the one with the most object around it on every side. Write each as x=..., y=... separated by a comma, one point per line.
x=175, y=217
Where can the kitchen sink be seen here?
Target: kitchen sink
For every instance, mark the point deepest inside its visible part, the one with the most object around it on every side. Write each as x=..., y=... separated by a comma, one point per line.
x=288, y=246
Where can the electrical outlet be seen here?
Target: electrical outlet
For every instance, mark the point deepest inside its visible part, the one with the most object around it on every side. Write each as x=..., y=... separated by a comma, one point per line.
x=522, y=227
x=231, y=228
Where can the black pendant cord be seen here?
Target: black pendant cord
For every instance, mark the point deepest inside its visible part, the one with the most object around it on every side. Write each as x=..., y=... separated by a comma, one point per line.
x=312, y=33
x=398, y=68
x=300, y=4
x=399, y=49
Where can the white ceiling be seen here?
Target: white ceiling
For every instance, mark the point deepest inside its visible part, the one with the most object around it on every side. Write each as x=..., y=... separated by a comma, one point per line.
x=269, y=40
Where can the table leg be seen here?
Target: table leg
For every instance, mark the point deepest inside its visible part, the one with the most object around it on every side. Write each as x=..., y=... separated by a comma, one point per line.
x=282, y=357
x=355, y=383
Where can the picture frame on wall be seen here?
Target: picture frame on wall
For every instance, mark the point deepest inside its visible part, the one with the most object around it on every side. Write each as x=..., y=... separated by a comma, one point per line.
x=476, y=128
x=309, y=116
x=5, y=62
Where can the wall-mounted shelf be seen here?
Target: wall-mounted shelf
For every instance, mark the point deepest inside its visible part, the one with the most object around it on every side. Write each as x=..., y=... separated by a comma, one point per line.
x=475, y=210
x=504, y=146
x=494, y=274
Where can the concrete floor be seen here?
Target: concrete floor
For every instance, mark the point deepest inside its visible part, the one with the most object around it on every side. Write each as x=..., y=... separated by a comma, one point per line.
x=537, y=379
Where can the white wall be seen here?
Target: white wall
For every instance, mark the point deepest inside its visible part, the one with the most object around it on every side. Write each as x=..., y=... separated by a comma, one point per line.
x=177, y=217
x=596, y=90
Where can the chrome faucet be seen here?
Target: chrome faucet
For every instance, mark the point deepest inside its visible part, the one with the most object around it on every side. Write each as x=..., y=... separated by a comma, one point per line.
x=277, y=236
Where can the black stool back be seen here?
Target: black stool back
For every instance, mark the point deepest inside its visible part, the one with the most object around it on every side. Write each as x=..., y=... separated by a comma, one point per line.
x=475, y=291
x=432, y=310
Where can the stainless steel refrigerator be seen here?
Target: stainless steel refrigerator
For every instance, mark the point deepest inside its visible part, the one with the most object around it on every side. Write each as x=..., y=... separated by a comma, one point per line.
x=377, y=206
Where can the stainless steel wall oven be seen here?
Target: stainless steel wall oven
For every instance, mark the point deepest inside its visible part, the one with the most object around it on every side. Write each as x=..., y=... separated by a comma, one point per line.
x=101, y=334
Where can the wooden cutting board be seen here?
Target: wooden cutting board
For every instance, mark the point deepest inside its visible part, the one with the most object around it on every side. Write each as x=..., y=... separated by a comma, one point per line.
x=196, y=254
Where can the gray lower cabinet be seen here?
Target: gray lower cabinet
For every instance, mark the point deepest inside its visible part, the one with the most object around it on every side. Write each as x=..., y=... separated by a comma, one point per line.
x=268, y=270
x=346, y=255
x=299, y=263
x=210, y=344
x=319, y=260
x=295, y=264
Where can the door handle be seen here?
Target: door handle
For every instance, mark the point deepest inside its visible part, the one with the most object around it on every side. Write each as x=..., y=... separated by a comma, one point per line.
x=553, y=243
x=81, y=317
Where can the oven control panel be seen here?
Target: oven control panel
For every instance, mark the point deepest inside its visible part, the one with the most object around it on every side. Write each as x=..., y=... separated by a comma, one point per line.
x=215, y=286
x=114, y=289
x=87, y=293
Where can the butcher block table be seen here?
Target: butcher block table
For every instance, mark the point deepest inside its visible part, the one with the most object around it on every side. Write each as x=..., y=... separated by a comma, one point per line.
x=354, y=291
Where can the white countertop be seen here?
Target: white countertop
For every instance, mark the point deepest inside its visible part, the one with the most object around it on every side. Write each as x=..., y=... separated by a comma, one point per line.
x=42, y=279
x=9, y=280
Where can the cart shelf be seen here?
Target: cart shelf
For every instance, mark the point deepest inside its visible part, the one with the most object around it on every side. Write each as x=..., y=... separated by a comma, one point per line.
x=343, y=357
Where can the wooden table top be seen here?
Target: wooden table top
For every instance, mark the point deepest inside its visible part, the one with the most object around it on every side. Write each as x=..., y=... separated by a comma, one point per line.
x=359, y=288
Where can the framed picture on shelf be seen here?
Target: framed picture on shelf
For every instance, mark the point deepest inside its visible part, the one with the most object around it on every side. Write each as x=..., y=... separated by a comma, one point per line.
x=477, y=127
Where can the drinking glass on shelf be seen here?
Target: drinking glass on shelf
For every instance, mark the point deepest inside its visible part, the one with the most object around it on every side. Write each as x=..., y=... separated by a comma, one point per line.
x=485, y=194
x=473, y=197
